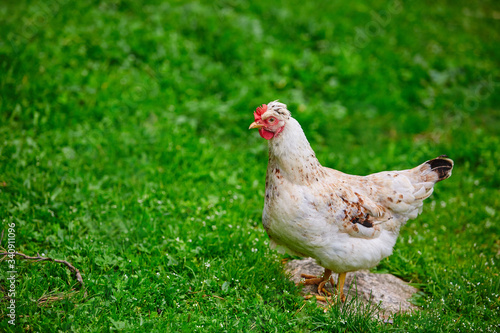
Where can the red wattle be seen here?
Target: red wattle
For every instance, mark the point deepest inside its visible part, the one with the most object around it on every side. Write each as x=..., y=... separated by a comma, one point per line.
x=279, y=130
x=266, y=134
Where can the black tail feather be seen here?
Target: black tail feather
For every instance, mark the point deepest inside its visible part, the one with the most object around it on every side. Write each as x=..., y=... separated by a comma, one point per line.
x=442, y=166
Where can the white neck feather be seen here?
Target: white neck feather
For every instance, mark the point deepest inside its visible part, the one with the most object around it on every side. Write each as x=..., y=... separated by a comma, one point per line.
x=291, y=153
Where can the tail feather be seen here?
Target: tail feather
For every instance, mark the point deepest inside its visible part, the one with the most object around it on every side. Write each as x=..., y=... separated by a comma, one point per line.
x=441, y=166
x=427, y=174
x=416, y=185
x=410, y=187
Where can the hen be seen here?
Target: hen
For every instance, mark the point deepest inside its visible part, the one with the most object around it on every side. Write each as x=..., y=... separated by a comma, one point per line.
x=345, y=222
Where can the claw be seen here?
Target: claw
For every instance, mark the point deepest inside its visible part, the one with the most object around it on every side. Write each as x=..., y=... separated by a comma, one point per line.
x=321, y=286
x=308, y=276
x=326, y=292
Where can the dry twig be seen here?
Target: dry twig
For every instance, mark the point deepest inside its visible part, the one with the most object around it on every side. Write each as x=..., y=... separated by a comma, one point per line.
x=72, y=268
x=299, y=309
x=215, y=297
x=54, y=297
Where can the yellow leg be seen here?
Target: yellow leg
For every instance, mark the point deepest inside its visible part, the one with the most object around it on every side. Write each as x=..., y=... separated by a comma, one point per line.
x=340, y=286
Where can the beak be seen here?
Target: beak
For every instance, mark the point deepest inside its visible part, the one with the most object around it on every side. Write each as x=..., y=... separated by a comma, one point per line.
x=255, y=125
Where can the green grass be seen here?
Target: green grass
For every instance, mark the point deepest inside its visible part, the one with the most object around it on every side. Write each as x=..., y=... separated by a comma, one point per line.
x=124, y=149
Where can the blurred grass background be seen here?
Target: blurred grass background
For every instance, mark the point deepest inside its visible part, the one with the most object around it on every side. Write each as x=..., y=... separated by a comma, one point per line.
x=124, y=149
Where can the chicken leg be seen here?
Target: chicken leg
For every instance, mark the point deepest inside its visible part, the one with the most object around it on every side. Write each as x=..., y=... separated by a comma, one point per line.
x=340, y=286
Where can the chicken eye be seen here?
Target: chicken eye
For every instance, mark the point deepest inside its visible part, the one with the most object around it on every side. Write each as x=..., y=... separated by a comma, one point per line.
x=271, y=120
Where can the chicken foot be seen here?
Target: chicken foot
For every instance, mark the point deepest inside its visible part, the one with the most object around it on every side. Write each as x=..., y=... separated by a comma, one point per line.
x=321, y=281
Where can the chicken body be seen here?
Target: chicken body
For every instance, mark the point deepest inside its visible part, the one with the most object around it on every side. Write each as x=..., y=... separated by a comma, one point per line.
x=345, y=222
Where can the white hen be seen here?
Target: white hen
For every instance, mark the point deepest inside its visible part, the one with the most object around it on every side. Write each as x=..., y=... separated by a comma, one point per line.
x=345, y=222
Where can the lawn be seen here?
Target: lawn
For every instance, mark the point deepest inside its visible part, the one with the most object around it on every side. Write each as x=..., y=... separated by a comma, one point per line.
x=125, y=150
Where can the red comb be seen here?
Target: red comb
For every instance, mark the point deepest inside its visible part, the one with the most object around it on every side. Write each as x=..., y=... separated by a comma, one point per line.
x=259, y=111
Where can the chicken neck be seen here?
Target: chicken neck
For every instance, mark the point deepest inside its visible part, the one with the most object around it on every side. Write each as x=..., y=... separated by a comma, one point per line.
x=292, y=154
